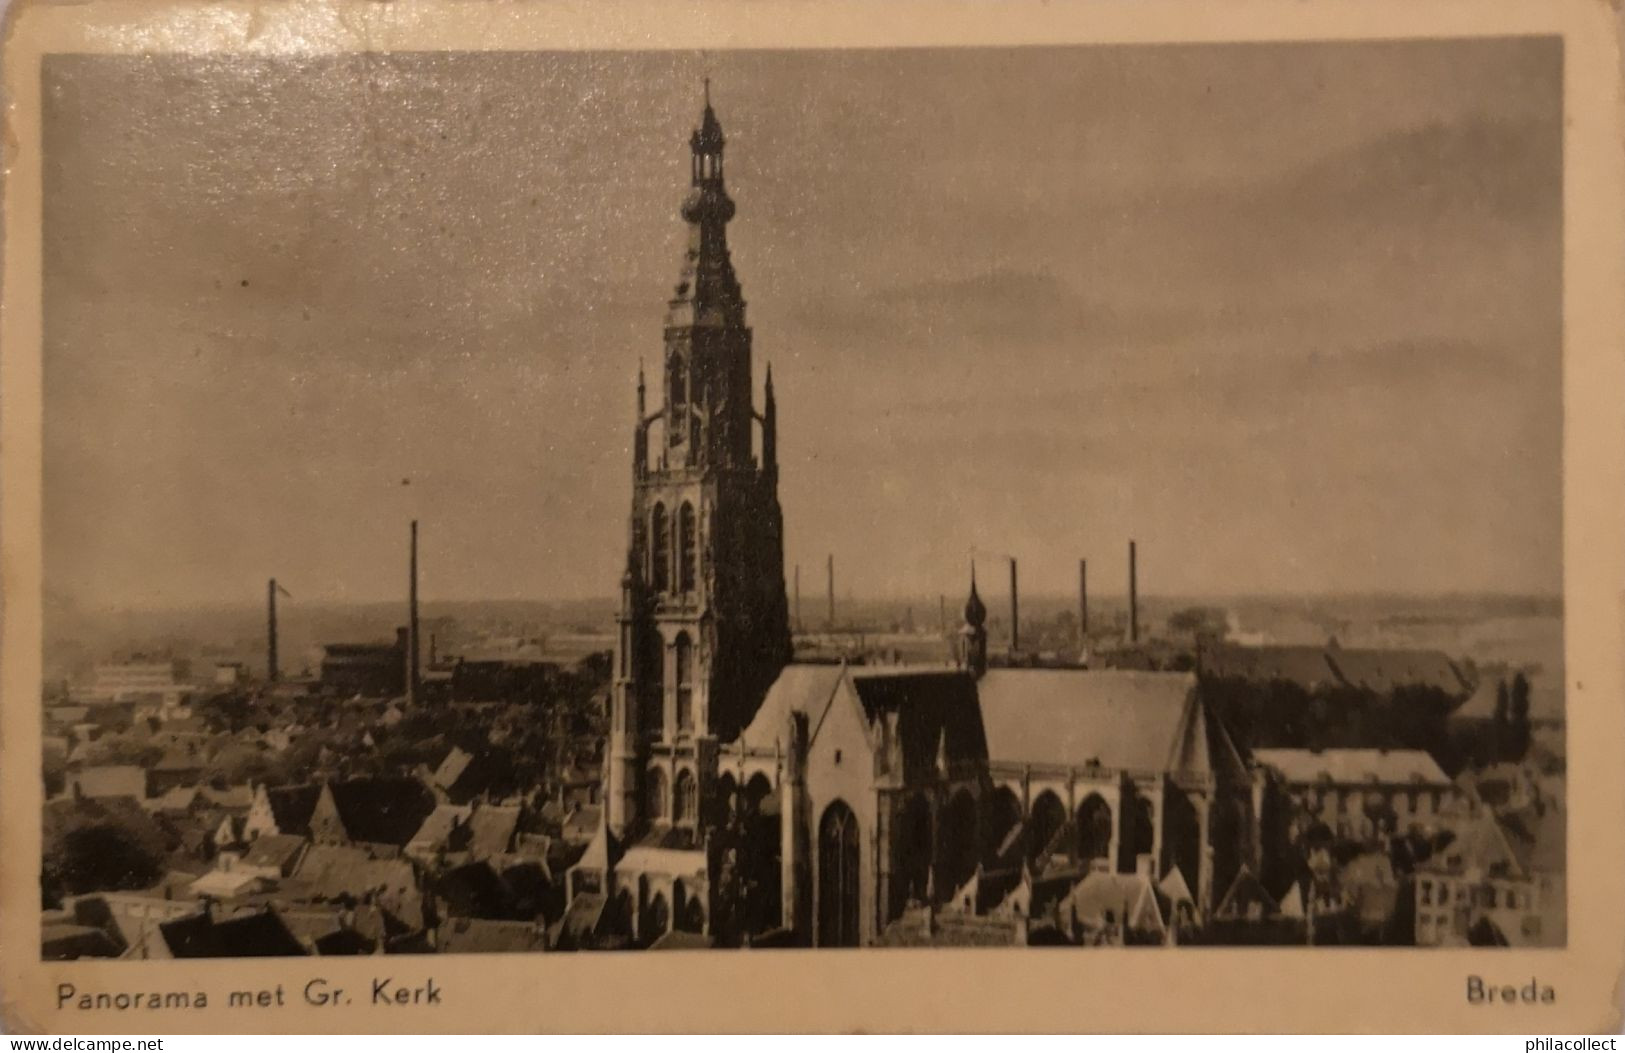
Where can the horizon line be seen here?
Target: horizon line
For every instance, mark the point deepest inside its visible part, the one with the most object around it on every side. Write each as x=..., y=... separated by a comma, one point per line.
x=608, y=598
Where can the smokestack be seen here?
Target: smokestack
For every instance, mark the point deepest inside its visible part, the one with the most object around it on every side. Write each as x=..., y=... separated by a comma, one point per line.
x=798, y=597
x=832, y=590
x=1133, y=595
x=942, y=614
x=271, y=672
x=1083, y=601
x=1015, y=610
x=412, y=665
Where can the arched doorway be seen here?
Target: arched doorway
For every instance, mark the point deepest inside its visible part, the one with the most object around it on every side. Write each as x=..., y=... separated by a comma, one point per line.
x=1048, y=816
x=1094, y=829
x=838, y=851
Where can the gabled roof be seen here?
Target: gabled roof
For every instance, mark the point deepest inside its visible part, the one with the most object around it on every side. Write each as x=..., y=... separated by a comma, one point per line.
x=452, y=768
x=474, y=889
x=1539, y=838
x=1174, y=887
x=175, y=799
x=1246, y=892
x=1481, y=844
x=261, y=935
x=1347, y=766
x=1382, y=671
x=934, y=709
x=63, y=941
x=227, y=884
x=582, y=916
x=336, y=870
x=384, y=811
x=435, y=833
x=798, y=689
x=491, y=829
x=111, y=780
x=1122, y=896
x=1305, y=666
x=178, y=761
x=481, y=936
x=237, y=797
x=274, y=850
x=1120, y=719
x=583, y=820
x=291, y=806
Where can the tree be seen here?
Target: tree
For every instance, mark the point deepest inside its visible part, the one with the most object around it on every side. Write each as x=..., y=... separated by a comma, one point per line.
x=101, y=857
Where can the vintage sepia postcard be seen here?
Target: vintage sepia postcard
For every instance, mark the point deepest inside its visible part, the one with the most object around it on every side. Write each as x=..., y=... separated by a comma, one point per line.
x=940, y=516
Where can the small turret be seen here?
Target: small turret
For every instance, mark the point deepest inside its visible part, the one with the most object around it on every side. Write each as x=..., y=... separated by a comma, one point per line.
x=770, y=427
x=974, y=632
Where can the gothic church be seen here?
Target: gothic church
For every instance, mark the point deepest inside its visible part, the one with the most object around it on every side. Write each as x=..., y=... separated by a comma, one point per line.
x=749, y=799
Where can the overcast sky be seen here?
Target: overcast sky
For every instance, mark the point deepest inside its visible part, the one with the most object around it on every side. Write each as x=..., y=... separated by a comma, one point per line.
x=1288, y=315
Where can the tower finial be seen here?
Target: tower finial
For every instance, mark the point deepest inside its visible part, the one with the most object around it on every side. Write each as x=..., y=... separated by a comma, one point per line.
x=708, y=93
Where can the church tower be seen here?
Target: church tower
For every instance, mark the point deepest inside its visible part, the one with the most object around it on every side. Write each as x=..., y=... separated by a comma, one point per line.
x=704, y=624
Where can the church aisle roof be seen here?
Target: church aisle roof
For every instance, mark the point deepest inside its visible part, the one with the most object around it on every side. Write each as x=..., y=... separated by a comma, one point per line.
x=1122, y=719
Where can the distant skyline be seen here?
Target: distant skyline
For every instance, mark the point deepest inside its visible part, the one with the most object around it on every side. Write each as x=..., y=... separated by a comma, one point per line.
x=1289, y=315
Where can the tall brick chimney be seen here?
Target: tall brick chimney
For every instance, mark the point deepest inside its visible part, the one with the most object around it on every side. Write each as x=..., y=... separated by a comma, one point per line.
x=1133, y=595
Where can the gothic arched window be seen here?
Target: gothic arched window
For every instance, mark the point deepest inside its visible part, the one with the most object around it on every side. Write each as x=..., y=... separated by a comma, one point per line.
x=1094, y=828
x=838, y=877
x=1047, y=818
x=660, y=548
x=686, y=548
x=677, y=386
x=686, y=799
x=684, y=662
x=655, y=795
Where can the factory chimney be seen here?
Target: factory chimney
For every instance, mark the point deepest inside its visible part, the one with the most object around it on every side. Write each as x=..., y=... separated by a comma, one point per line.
x=1083, y=602
x=1133, y=595
x=1015, y=611
x=798, y=597
x=412, y=665
x=271, y=671
x=831, y=568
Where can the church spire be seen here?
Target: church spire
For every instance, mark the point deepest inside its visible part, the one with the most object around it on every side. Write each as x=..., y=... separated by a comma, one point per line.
x=708, y=292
